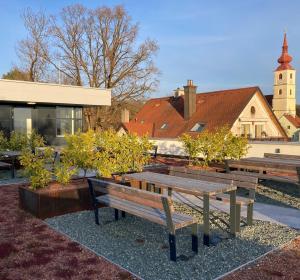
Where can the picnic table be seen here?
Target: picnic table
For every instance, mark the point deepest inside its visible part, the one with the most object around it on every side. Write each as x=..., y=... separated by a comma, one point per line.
x=286, y=169
x=193, y=187
x=12, y=155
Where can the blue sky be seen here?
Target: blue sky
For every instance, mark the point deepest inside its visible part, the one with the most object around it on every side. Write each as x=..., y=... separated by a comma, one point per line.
x=218, y=44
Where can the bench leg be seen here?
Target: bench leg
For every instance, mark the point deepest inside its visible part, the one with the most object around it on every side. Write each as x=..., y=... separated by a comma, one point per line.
x=116, y=214
x=195, y=238
x=206, y=219
x=96, y=214
x=238, y=217
x=123, y=214
x=172, y=243
x=233, y=213
x=250, y=214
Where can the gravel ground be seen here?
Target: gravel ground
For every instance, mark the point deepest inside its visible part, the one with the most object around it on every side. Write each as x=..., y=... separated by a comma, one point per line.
x=142, y=247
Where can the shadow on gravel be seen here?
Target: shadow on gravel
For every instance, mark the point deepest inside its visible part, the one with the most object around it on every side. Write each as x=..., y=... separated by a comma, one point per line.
x=142, y=247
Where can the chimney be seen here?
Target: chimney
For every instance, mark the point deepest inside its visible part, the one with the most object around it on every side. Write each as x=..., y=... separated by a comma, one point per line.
x=189, y=99
x=125, y=116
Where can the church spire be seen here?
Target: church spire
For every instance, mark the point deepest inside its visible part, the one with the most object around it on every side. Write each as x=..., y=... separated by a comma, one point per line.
x=285, y=58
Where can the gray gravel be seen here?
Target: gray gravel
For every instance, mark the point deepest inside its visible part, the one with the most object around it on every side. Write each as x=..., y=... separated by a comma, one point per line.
x=142, y=247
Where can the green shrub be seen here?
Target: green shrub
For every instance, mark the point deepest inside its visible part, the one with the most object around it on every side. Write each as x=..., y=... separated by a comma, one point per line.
x=34, y=167
x=20, y=141
x=191, y=148
x=216, y=145
x=80, y=151
x=3, y=142
x=120, y=153
x=17, y=141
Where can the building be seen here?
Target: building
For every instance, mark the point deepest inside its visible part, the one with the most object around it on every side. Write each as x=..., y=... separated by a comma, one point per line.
x=283, y=99
x=244, y=110
x=50, y=109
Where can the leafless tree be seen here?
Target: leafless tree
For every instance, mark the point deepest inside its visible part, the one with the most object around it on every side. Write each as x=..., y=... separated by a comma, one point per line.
x=31, y=50
x=94, y=47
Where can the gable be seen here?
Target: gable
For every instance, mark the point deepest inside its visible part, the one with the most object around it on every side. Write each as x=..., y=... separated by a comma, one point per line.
x=258, y=112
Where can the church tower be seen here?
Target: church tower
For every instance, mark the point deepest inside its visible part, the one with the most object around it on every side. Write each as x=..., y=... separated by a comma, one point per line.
x=284, y=97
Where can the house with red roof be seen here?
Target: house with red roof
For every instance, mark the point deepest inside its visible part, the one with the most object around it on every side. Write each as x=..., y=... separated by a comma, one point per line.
x=244, y=110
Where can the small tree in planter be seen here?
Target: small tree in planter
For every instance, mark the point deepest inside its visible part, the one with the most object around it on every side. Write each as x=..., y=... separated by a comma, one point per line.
x=191, y=147
x=120, y=153
x=34, y=168
x=80, y=151
x=216, y=145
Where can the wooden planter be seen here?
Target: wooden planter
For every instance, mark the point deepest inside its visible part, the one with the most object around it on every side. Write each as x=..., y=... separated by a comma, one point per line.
x=56, y=199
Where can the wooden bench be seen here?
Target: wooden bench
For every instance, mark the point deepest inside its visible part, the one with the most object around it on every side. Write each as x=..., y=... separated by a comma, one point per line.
x=240, y=181
x=150, y=206
x=282, y=170
x=281, y=156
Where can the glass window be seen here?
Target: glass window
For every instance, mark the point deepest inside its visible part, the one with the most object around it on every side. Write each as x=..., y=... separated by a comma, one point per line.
x=5, y=119
x=258, y=130
x=291, y=76
x=64, y=112
x=22, y=120
x=164, y=126
x=63, y=126
x=245, y=130
x=68, y=120
x=78, y=113
x=198, y=127
x=280, y=92
x=280, y=76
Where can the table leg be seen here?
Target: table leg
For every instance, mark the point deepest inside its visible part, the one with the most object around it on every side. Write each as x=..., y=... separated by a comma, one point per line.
x=233, y=227
x=206, y=219
x=13, y=167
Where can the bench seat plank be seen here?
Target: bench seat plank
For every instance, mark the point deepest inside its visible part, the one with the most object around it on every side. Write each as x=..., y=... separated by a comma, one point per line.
x=152, y=214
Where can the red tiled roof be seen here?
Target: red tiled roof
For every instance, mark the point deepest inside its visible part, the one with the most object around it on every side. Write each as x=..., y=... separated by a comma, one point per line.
x=295, y=121
x=139, y=128
x=212, y=109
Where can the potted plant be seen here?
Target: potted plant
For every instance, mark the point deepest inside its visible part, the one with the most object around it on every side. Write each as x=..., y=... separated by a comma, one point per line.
x=45, y=197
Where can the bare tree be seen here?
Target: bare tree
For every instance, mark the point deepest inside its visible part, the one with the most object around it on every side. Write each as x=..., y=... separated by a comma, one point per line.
x=31, y=50
x=94, y=47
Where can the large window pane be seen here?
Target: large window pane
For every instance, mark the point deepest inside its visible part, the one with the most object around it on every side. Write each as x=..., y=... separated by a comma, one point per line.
x=5, y=119
x=22, y=120
x=63, y=126
x=78, y=113
x=64, y=112
x=77, y=125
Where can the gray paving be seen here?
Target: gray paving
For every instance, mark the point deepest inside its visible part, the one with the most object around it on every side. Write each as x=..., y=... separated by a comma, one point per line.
x=264, y=212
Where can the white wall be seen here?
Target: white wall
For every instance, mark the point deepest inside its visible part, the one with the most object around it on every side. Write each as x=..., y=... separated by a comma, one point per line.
x=256, y=149
x=20, y=91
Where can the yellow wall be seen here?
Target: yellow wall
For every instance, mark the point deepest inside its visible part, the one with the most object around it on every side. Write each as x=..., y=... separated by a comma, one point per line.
x=260, y=117
x=284, y=103
x=290, y=129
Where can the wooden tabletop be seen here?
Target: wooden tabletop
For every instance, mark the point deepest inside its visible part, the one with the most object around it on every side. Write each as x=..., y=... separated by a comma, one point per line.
x=11, y=153
x=268, y=162
x=180, y=184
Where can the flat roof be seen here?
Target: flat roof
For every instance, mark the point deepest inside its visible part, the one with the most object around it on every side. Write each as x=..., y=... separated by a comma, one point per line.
x=33, y=92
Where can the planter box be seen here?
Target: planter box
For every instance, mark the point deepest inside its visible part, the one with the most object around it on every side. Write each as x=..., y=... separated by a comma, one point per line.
x=56, y=199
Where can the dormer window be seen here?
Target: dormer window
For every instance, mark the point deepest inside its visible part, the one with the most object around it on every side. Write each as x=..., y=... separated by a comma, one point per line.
x=198, y=127
x=164, y=126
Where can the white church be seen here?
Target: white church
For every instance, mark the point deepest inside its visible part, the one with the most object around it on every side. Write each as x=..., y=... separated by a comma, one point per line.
x=283, y=100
